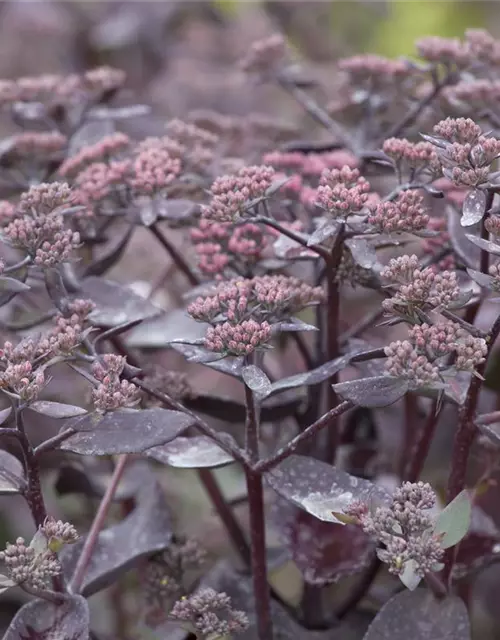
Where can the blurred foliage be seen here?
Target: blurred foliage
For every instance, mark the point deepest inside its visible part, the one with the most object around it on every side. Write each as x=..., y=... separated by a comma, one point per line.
x=387, y=27
x=408, y=20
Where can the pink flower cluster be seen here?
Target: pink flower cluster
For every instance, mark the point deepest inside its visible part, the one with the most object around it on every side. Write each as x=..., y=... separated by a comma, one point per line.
x=50, y=88
x=232, y=193
x=98, y=181
x=415, y=155
x=196, y=144
x=372, y=67
x=494, y=271
x=102, y=151
x=405, y=361
x=20, y=376
x=449, y=51
x=405, y=528
x=239, y=339
x=112, y=393
x=69, y=330
x=38, y=143
x=406, y=213
x=446, y=338
x=265, y=57
x=475, y=93
x=418, y=287
x=220, y=245
x=263, y=297
x=153, y=170
x=492, y=224
x=464, y=153
x=342, y=192
x=39, y=229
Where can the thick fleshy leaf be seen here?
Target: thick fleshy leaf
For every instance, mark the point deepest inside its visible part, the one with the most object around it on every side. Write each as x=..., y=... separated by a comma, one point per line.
x=125, y=431
x=256, y=380
x=231, y=411
x=486, y=245
x=4, y=414
x=315, y=376
x=326, y=229
x=191, y=453
x=11, y=285
x=379, y=391
x=483, y=280
x=362, y=253
x=91, y=477
x=7, y=295
x=177, y=210
x=57, y=409
x=474, y=208
x=11, y=474
x=40, y=620
x=417, y=615
x=294, y=324
x=88, y=134
x=193, y=353
x=454, y=521
x=113, y=253
x=6, y=583
x=115, y=304
x=321, y=489
x=323, y=551
x=286, y=248
x=491, y=431
x=409, y=577
x=163, y=329
x=146, y=530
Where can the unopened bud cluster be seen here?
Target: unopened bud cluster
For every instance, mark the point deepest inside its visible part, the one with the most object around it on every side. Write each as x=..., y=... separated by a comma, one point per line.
x=35, y=564
x=19, y=375
x=412, y=156
x=38, y=227
x=405, y=528
x=113, y=393
x=164, y=576
x=266, y=57
x=231, y=195
x=209, y=615
x=406, y=213
x=342, y=192
x=418, y=288
x=224, y=246
x=465, y=154
x=242, y=310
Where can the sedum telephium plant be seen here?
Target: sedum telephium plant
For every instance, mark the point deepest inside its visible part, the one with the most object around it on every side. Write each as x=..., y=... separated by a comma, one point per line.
x=289, y=247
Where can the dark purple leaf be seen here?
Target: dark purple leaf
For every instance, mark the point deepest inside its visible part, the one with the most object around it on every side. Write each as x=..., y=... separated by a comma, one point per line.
x=256, y=380
x=286, y=248
x=115, y=304
x=177, y=210
x=110, y=257
x=491, y=431
x=480, y=545
x=163, y=329
x=91, y=477
x=483, y=280
x=315, y=376
x=191, y=453
x=146, y=530
x=294, y=324
x=56, y=409
x=43, y=620
x=11, y=285
x=467, y=252
x=474, y=208
x=4, y=414
x=230, y=365
x=362, y=253
x=326, y=229
x=124, y=431
x=321, y=489
x=418, y=615
x=379, y=391
x=276, y=186
x=323, y=551
x=6, y=296
x=486, y=245
x=11, y=474
x=119, y=113
x=232, y=411
x=88, y=134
